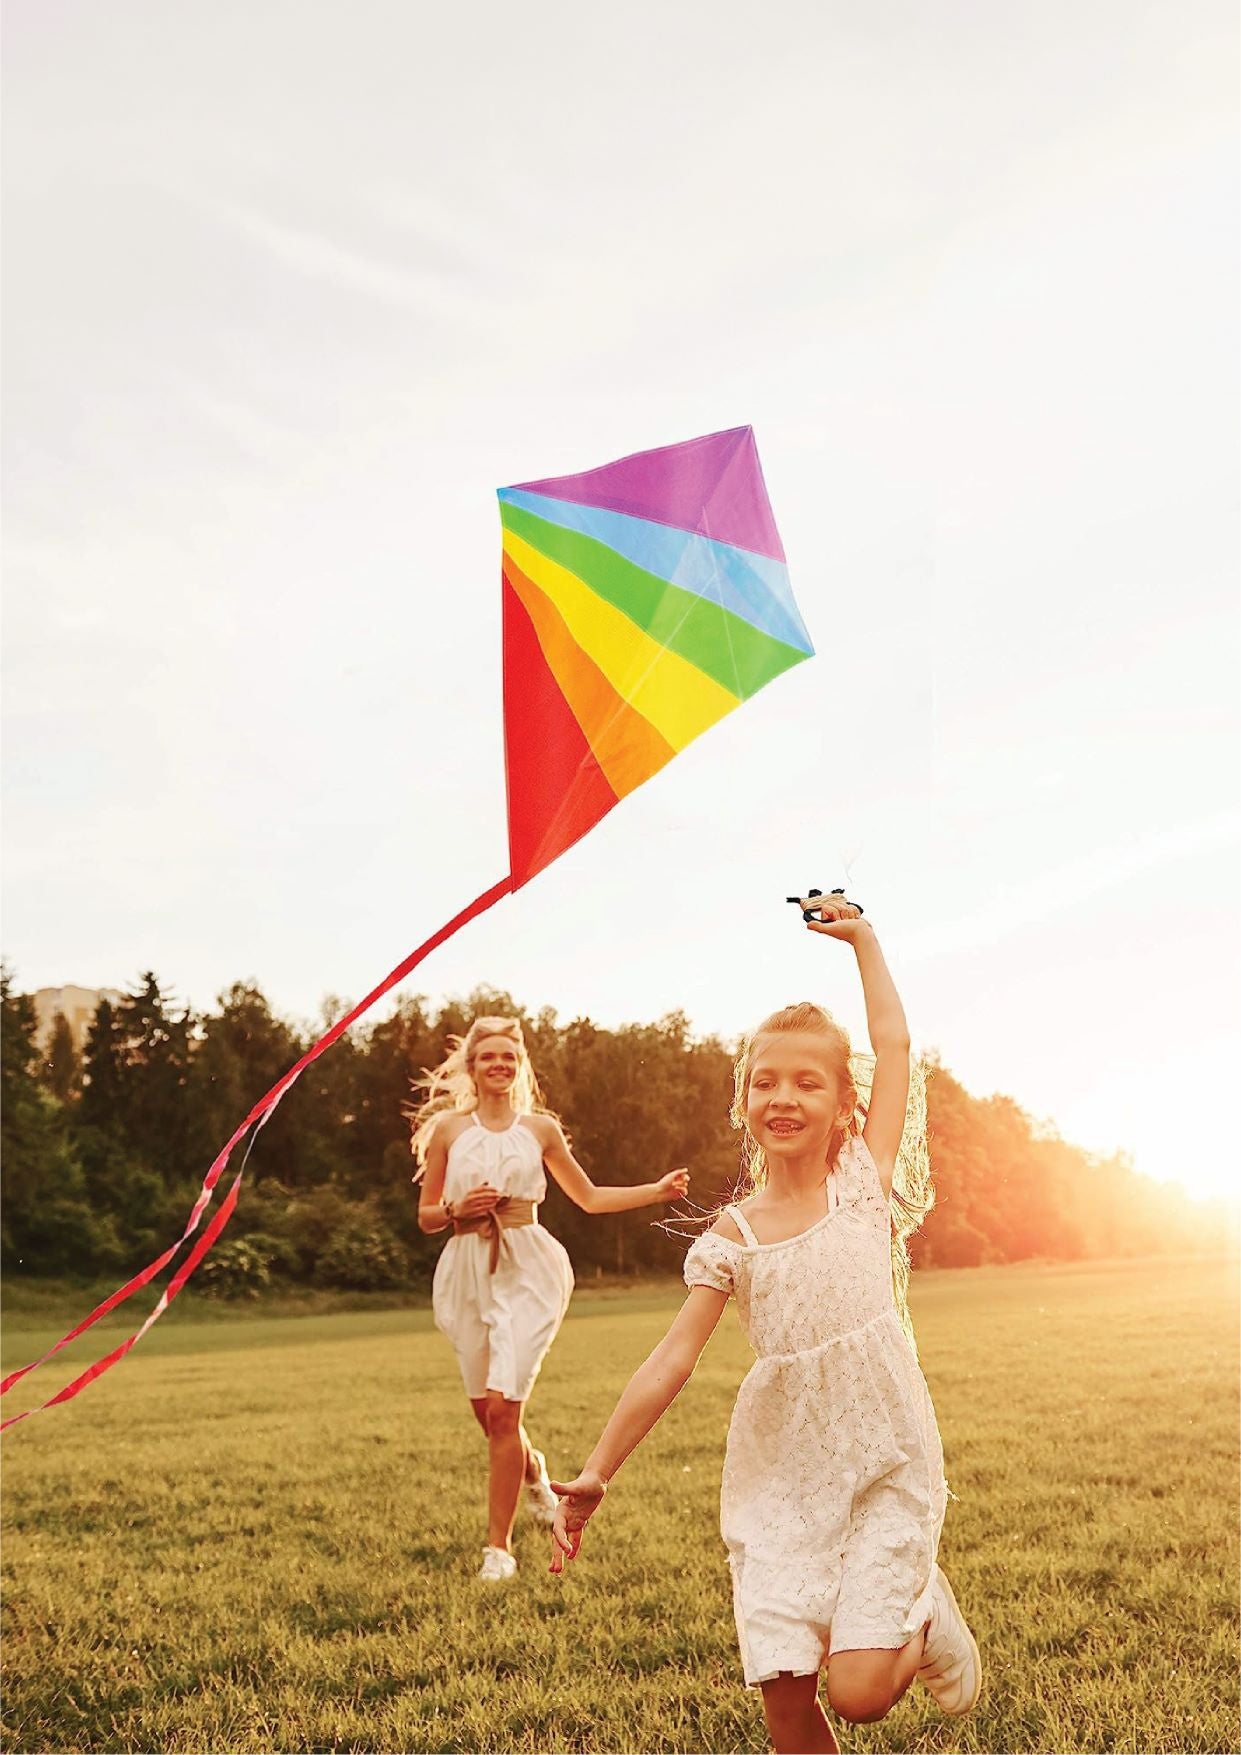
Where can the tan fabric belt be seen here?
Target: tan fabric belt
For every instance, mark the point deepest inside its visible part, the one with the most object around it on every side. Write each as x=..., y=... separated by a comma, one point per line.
x=506, y=1213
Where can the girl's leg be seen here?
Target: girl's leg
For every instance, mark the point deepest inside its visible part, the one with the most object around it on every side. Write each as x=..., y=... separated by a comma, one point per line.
x=796, y=1723
x=509, y=1452
x=863, y=1686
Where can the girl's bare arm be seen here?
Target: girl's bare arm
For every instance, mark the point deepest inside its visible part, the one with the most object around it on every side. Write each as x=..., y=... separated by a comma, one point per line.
x=647, y=1396
x=888, y=1030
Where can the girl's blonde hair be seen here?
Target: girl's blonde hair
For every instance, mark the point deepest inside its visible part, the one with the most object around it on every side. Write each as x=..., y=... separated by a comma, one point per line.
x=912, y=1196
x=449, y=1088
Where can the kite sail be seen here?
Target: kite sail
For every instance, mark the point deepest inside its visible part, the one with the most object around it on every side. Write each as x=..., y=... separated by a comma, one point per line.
x=642, y=601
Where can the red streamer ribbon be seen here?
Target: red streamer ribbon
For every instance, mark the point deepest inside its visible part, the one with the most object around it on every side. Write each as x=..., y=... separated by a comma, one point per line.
x=260, y=1113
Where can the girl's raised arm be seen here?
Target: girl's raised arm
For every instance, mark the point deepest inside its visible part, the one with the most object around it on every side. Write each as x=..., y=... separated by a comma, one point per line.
x=888, y=1030
x=589, y=1195
x=648, y=1395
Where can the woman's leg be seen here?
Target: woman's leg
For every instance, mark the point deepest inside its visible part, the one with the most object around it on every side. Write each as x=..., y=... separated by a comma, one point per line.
x=863, y=1686
x=532, y=1468
x=796, y=1723
x=479, y=1406
x=509, y=1452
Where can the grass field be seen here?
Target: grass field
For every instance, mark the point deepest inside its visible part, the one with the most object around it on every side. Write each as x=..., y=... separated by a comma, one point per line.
x=260, y=1534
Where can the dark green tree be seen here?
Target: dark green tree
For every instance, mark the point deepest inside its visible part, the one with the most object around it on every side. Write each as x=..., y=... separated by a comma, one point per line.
x=241, y=1050
x=49, y=1224
x=134, y=1126
x=62, y=1064
x=135, y=1075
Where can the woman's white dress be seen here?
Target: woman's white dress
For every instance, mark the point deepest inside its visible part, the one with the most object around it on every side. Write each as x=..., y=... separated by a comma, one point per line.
x=500, y=1323
x=833, y=1491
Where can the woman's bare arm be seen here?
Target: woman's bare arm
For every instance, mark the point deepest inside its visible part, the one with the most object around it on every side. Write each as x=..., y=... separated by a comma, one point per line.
x=433, y=1214
x=588, y=1195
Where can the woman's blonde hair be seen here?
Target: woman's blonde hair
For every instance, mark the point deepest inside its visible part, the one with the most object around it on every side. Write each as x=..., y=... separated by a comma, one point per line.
x=912, y=1195
x=449, y=1088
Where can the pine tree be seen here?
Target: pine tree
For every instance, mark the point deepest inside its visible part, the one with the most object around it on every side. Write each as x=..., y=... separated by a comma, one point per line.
x=62, y=1065
x=136, y=1070
x=49, y=1225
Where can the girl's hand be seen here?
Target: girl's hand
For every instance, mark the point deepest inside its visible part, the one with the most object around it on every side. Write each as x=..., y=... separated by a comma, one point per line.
x=579, y=1500
x=841, y=918
x=477, y=1202
x=673, y=1185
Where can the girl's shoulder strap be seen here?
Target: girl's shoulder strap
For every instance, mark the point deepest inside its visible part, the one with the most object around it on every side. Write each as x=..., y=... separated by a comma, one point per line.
x=743, y=1225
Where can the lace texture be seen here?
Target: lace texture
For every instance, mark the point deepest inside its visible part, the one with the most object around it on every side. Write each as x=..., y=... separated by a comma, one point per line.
x=833, y=1491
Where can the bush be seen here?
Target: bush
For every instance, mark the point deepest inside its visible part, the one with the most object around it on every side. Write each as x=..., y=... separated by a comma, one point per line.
x=240, y=1267
x=62, y=1236
x=364, y=1257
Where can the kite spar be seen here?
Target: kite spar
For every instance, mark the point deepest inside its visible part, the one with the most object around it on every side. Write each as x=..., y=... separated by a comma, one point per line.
x=642, y=601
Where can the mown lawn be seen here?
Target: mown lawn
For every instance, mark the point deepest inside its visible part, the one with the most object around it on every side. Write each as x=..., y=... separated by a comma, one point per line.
x=261, y=1534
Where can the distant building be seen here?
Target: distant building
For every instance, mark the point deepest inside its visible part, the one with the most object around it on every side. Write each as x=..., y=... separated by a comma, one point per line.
x=77, y=1005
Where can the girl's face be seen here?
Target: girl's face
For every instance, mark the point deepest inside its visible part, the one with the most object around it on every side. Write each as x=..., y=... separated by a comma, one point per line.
x=495, y=1065
x=794, y=1098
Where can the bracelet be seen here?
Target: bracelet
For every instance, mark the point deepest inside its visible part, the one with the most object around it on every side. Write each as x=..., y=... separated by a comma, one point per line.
x=447, y=1206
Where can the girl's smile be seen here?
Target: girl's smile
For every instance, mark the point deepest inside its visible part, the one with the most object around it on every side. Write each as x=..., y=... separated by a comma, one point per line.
x=793, y=1098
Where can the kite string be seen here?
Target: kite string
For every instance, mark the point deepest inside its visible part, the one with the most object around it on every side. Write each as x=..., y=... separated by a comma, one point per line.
x=258, y=1116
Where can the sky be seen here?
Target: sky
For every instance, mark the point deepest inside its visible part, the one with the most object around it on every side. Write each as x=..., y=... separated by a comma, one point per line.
x=290, y=289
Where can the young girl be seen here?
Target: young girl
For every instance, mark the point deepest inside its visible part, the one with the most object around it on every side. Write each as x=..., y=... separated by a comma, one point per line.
x=833, y=1490
x=502, y=1285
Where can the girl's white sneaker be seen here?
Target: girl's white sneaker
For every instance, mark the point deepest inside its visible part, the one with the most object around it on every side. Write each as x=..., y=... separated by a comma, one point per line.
x=498, y=1564
x=539, y=1496
x=951, y=1666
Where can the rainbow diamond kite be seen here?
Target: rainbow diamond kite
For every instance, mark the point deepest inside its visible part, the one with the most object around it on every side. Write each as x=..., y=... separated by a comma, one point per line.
x=642, y=602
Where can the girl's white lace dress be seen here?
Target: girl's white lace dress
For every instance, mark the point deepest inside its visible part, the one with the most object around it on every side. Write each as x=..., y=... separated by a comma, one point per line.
x=833, y=1492
x=501, y=1324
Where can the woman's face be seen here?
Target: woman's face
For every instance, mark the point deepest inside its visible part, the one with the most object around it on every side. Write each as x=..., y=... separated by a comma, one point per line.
x=794, y=1097
x=495, y=1065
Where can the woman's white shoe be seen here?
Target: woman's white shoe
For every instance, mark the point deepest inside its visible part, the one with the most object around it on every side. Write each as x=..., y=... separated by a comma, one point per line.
x=498, y=1564
x=539, y=1496
x=951, y=1666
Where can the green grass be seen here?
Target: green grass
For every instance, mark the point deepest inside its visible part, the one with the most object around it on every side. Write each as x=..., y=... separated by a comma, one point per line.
x=261, y=1535
x=34, y=1304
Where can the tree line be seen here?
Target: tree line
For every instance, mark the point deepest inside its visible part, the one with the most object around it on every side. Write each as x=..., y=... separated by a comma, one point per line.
x=104, y=1152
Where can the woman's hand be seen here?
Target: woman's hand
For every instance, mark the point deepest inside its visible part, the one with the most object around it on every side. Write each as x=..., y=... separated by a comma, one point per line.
x=579, y=1500
x=841, y=918
x=478, y=1202
x=672, y=1186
